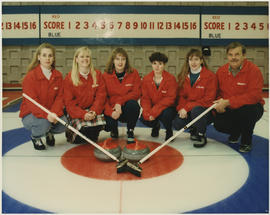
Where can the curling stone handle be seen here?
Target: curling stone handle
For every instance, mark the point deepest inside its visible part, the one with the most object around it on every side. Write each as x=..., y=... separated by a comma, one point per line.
x=70, y=127
x=176, y=134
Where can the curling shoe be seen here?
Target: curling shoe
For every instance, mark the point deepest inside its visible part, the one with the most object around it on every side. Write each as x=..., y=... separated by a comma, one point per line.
x=50, y=141
x=200, y=141
x=130, y=136
x=38, y=144
x=245, y=148
x=233, y=139
x=155, y=130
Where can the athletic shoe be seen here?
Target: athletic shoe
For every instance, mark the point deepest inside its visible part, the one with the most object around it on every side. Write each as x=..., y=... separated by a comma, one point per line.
x=233, y=139
x=155, y=130
x=200, y=140
x=38, y=144
x=245, y=148
x=130, y=135
x=50, y=141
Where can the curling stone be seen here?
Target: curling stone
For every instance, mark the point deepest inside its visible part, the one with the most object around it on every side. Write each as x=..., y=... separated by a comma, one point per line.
x=135, y=151
x=111, y=147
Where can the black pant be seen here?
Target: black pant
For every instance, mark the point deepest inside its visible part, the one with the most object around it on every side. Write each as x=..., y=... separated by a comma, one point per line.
x=240, y=121
x=166, y=117
x=200, y=125
x=91, y=133
x=130, y=115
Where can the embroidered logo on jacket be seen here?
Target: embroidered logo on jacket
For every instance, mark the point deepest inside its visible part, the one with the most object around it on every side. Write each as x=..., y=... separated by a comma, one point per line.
x=163, y=91
x=241, y=84
x=55, y=88
x=200, y=87
x=129, y=85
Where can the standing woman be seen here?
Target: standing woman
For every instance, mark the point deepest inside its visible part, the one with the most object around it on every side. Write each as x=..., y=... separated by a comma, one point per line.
x=123, y=85
x=158, y=96
x=43, y=83
x=84, y=96
x=197, y=91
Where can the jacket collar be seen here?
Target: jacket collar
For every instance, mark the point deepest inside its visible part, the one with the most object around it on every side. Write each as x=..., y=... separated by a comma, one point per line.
x=40, y=75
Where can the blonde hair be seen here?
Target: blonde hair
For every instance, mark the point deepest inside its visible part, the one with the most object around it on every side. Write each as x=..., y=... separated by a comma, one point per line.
x=35, y=62
x=185, y=68
x=75, y=77
x=110, y=65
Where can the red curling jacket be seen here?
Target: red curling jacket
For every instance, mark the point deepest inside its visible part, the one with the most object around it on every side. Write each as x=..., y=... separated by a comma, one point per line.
x=86, y=95
x=202, y=93
x=245, y=88
x=48, y=93
x=120, y=93
x=153, y=100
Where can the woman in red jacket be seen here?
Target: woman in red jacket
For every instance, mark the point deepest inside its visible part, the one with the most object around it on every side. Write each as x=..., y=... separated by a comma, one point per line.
x=84, y=97
x=197, y=91
x=43, y=83
x=123, y=85
x=158, y=96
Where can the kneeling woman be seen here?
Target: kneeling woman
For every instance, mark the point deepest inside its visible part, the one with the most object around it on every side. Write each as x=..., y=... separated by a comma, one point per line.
x=123, y=85
x=159, y=89
x=84, y=97
x=197, y=91
x=43, y=83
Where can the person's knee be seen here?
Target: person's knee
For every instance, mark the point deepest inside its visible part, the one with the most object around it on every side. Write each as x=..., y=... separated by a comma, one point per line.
x=178, y=123
x=132, y=105
x=197, y=110
x=168, y=113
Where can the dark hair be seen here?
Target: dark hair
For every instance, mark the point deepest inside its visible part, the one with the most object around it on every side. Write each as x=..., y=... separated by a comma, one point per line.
x=234, y=45
x=157, y=56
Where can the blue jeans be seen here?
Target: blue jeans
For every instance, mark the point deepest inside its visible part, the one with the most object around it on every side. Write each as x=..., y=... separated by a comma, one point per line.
x=200, y=125
x=40, y=126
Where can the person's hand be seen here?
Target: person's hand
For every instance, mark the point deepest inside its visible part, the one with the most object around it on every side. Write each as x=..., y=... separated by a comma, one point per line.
x=52, y=118
x=182, y=113
x=87, y=117
x=151, y=118
x=117, y=107
x=221, y=104
x=92, y=114
x=115, y=115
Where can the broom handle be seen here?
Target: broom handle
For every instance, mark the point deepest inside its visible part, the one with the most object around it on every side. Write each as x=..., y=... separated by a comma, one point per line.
x=176, y=134
x=71, y=128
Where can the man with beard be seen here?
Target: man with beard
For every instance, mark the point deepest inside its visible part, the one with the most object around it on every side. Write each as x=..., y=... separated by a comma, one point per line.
x=240, y=103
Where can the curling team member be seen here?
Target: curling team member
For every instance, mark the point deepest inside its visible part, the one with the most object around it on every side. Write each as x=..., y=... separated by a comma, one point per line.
x=240, y=102
x=158, y=96
x=123, y=85
x=84, y=96
x=197, y=91
x=43, y=83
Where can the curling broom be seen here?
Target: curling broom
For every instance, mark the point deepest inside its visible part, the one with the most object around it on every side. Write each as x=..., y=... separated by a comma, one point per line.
x=136, y=169
x=71, y=128
x=122, y=166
